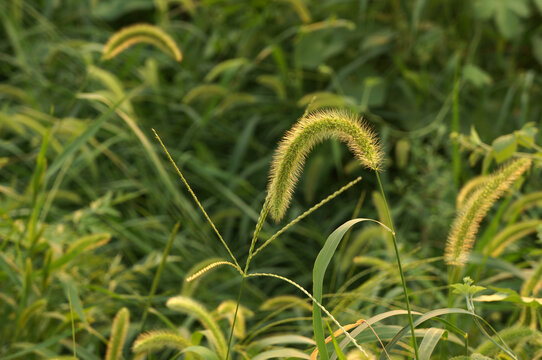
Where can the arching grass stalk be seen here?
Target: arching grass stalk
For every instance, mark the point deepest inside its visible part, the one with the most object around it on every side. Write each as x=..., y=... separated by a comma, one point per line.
x=196, y=199
x=403, y=282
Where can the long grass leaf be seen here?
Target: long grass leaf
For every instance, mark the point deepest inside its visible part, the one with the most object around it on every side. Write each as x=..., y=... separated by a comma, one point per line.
x=204, y=352
x=429, y=342
x=319, y=270
x=281, y=353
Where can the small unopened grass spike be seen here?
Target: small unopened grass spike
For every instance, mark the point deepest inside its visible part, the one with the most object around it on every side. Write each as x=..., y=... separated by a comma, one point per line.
x=208, y=268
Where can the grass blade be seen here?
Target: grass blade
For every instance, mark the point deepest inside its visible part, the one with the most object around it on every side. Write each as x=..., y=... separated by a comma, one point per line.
x=320, y=266
x=429, y=342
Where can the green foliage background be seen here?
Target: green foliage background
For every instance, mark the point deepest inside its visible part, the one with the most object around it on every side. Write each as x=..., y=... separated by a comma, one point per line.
x=88, y=201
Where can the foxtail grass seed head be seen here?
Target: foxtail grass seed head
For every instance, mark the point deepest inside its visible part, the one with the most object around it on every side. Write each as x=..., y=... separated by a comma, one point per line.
x=465, y=226
x=311, y=130
x=140, y=33
x=158, y=340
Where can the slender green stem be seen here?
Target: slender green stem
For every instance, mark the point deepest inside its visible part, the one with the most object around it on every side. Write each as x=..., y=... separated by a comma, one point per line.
x=403, y=282
x=158, y=274
x=257, y=230
x=73, y=326
x=454, y=275
x=195, y=198
x=230, y=337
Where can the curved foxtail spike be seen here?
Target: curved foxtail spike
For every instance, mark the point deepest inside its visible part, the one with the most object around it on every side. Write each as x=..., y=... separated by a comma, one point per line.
x=311, y=130
x=140, y=33
x=465, y=226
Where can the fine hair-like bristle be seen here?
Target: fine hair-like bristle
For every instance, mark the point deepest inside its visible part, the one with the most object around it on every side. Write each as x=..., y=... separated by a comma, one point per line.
x=311, y=130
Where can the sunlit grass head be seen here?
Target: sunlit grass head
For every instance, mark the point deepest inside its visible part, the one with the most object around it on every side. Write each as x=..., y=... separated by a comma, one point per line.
x=311, y=130
x=465, y=226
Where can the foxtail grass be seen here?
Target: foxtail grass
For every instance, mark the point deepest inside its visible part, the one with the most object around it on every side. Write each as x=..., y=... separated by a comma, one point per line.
x=286, y=168
x=465, y=226
x=140, y=33
x=290, y=156
x=209, y=267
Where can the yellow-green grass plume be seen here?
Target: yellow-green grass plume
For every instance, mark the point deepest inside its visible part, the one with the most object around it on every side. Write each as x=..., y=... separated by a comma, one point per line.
x=311, y=130
x=465, y=226
x=140, y=33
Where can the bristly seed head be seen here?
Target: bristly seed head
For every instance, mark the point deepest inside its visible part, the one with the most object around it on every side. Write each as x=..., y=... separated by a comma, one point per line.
x=311, y=130
x=465, y=226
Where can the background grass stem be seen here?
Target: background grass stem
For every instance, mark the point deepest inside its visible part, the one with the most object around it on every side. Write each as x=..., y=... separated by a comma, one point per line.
x=158, y=274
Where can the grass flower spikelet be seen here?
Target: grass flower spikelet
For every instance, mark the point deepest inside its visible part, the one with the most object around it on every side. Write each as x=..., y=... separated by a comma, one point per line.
x=465, y=226
x=209, y=267
x=311, y=130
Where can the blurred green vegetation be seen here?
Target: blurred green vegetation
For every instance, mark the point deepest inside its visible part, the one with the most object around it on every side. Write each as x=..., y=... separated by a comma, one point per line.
x=88, y=201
